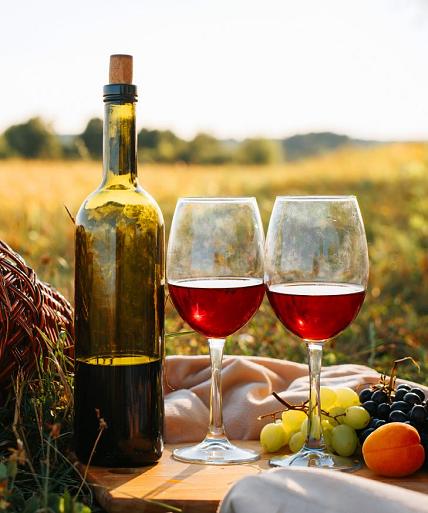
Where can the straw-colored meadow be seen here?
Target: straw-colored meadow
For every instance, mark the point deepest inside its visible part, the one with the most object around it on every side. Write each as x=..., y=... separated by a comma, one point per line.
x=391, y=185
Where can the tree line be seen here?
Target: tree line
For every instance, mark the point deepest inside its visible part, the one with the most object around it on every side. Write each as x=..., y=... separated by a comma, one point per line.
x=35, y=139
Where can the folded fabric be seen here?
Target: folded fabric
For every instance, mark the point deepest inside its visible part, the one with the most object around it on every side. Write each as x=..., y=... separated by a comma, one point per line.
x=296, y=490
x=247, y=383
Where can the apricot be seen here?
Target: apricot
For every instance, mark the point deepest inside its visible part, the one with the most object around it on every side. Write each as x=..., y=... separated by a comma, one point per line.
x=394, y=450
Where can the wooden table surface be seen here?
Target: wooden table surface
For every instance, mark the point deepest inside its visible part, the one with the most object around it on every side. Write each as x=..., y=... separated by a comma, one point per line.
x=190, y=488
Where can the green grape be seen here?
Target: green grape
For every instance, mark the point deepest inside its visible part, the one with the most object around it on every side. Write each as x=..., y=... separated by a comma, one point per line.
x=287, y=432
x=326, y=426
x=327, y=435
x=327, y=430
x=328, y=397
x=314, y=427
x=292, y=419
x=356, y=417
x=272, y=437
x=296, y=441
x=334, y=412
x=344, y=440
x=324, y=416
x=347, y=397
x=304, y=427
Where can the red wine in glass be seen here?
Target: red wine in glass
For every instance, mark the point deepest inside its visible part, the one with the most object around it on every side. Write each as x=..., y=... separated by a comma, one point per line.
x=217, y=307
x=316, y=311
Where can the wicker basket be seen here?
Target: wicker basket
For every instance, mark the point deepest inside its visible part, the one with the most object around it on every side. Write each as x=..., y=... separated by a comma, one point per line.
x=29, y=309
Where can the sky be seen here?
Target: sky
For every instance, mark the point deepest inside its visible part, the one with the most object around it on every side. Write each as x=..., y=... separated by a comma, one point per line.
x=233, y=68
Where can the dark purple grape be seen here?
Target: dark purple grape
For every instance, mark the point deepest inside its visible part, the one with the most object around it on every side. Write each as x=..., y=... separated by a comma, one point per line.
x=419, y=392
x=404, y=386
x=400, y=393
x=412, y=398
x=401, y=405
x=398, y=416
x=371, y=407
x=383, y=411
x=379, y=397
x=372, y=423
x=365, y=434
x=417, y=414
x=366, y=395
x=379, y=423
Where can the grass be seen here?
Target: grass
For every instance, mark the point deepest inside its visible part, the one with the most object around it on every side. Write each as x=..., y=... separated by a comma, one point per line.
x=391, y=185
x=37, y=470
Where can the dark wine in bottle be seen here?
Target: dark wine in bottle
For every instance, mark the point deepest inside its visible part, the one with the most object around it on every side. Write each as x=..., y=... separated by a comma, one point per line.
x=119, y=299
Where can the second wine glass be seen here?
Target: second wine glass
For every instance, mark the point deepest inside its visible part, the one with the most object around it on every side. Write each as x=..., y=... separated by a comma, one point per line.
x=316, y=276
x=215, y=280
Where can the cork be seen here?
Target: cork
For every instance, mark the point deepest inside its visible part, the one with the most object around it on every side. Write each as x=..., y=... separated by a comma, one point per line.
x=120, y=69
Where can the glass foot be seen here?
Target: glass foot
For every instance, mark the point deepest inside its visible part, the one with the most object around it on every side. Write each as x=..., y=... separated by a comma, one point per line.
x=317, y=459
x=215, y=452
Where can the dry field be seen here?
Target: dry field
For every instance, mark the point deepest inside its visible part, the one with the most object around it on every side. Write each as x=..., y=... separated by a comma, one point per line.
x=389, y=181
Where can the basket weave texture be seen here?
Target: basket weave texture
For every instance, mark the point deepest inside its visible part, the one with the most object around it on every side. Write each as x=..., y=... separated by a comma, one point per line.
x=29, y=309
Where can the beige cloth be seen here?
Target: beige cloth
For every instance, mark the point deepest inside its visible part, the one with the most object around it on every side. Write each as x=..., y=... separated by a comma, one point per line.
x=296, y=490
x=248, y=383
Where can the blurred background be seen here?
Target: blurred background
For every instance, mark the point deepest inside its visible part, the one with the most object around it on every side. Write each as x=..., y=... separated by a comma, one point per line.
x=235, y=98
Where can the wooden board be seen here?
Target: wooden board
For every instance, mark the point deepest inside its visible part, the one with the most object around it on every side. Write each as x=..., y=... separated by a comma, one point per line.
x=189, y=487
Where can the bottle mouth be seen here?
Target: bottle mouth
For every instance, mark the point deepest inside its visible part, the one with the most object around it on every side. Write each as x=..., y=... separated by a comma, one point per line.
x=120, y=93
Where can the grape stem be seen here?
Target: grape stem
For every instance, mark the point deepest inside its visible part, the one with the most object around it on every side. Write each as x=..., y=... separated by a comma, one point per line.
x=288, y=406
x=299, y=407
x=302, y=406
x=388, y=383
x=393, y=377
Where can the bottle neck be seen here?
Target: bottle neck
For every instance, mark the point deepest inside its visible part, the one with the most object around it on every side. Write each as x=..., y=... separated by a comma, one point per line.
x=119, y=146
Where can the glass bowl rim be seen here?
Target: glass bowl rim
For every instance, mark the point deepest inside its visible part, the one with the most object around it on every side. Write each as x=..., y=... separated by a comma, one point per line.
x=330, y=197
x=216, y=199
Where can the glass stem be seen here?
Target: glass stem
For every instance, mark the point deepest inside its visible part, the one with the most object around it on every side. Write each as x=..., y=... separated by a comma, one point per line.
x=216, y=428
x=314, y=439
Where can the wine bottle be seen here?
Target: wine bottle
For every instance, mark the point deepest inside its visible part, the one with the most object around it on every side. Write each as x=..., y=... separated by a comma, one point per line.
x=119, y=299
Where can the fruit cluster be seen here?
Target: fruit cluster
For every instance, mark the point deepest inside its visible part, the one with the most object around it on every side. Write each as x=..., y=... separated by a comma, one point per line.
x=342, y=419
x=405, y=404
x=389, y=423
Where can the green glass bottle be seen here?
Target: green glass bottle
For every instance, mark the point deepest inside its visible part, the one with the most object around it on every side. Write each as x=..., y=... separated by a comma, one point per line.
x=119, y=299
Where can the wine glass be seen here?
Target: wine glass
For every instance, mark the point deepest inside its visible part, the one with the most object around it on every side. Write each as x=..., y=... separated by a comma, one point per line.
x=316, y=273
x=215, y=280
